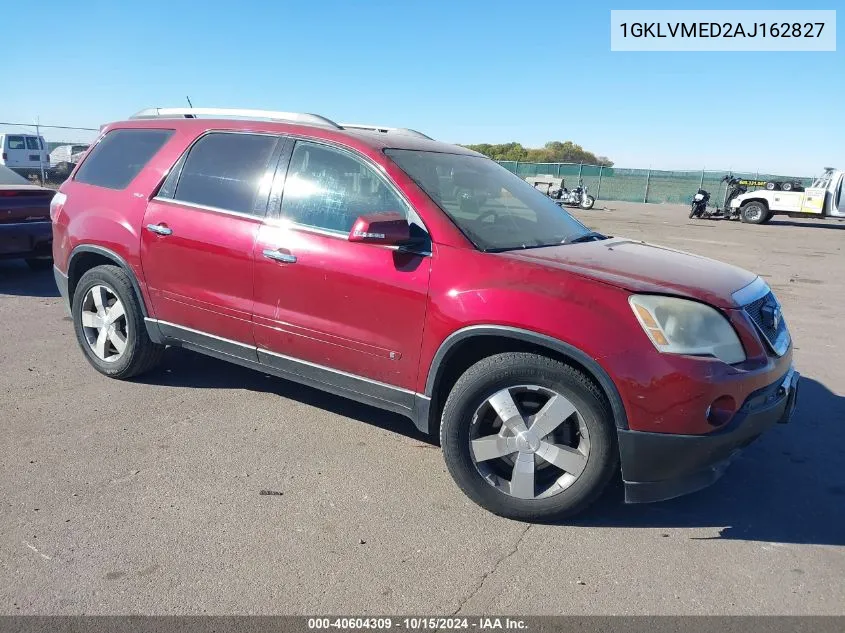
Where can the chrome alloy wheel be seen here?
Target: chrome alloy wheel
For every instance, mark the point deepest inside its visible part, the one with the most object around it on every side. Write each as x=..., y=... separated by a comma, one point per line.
x=104, y=323
x=529, y=442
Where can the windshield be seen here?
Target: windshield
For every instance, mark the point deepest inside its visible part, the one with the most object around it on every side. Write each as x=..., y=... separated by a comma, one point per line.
x=495, y=209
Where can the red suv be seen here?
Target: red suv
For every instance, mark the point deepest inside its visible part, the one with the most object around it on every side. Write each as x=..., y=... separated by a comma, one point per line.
x=421, y=277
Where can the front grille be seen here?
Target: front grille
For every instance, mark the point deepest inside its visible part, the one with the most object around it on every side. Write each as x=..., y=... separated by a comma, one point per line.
x=767, y=317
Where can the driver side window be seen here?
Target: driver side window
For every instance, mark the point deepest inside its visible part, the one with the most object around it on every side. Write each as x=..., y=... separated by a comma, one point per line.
x=328, y=189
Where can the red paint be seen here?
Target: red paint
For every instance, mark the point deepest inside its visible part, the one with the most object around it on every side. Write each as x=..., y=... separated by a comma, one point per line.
x=380, y=313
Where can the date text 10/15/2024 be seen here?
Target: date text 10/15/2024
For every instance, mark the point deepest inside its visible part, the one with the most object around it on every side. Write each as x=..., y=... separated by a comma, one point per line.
x=418, y=623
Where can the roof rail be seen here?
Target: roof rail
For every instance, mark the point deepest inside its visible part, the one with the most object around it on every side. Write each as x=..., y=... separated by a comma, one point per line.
x=189, y=113
x=381, y=128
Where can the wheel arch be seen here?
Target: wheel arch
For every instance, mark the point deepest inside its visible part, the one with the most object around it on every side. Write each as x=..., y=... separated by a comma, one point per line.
x=87, y=256
x=466, y=346
x=762, y=201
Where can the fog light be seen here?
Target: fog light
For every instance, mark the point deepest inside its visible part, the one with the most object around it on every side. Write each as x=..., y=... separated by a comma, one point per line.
x=720, y=411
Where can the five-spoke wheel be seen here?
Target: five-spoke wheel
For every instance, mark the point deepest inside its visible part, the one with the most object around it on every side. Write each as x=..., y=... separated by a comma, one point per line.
x=109, y=323
x=104, y=323
x=528, y=437
x=529, y=441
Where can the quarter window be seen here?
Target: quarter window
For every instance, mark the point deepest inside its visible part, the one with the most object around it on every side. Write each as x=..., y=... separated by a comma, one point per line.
x=225, y=171
x=120, y=156
x=329, y=189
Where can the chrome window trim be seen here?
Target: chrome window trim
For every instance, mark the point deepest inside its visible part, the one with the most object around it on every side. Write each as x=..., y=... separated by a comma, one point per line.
x=757, y=289
x=339, y=235
x=33, y=223
x=202, y=207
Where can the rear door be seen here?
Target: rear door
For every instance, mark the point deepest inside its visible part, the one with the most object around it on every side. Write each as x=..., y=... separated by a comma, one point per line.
x=14, y=151
x=198, y=238
x=353, y=312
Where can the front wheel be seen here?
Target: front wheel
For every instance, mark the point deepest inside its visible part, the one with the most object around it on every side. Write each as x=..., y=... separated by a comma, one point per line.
x=587, y=202
x=754, y=213
x=693, y=212
x=528, y=438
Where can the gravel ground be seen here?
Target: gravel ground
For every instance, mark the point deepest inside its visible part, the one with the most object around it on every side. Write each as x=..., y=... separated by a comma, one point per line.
x=145, y=497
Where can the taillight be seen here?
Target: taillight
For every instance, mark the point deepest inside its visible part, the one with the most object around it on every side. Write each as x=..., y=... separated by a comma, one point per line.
x=5, y=156
x=56, y=205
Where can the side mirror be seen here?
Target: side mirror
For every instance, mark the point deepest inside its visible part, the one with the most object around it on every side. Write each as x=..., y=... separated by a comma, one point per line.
x=389, y=228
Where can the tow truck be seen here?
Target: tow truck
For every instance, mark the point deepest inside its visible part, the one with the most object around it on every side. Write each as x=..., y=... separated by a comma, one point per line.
x=824, y=198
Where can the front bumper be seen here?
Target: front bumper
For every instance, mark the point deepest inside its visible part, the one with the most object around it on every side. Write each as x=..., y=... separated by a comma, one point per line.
x=659, y=466
x=26, y=239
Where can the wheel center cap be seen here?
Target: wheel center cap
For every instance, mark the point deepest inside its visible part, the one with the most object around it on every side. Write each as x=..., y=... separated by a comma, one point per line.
x=527, y=442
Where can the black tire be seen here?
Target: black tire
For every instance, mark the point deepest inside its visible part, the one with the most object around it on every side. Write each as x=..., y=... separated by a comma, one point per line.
x=769, y=216
x=754, y=213
x=515, y=368
x=141, y=354
x=692, y=212
x=771, y=186
x=587, y=202
x=38, y=264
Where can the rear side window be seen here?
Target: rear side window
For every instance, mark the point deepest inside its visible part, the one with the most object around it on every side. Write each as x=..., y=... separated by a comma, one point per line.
x=32, y=142
x=120, y=156
x=224, y=171
x=15, y=142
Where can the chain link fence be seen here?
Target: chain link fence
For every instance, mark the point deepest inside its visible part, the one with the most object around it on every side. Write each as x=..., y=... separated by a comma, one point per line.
x=641, y=185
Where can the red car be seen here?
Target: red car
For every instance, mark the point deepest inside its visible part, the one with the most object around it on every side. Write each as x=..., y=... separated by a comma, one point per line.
x=25, y=231
x=421, y=277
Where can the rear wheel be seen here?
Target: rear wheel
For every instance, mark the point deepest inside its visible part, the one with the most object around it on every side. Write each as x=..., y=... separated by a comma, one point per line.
x=528, y=437
x=754, y=213
x=787, y=186
x=587, y=202
x=109, y=324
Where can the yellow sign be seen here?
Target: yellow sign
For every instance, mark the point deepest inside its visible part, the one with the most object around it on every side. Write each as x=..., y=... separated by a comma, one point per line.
x=813, y=201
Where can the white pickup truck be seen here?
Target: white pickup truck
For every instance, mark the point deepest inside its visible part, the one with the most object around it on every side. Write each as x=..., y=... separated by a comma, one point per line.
x=824, y=198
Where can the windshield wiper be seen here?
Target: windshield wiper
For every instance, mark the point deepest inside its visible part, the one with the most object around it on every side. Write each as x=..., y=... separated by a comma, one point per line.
x=519, y=247
x=586, y=237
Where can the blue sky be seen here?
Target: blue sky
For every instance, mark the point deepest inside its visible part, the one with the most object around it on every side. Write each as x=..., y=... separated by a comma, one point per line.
x=468, y=72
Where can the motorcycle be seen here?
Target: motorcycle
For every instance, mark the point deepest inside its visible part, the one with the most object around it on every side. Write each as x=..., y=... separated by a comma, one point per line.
x=578, y=197
x=698, y=208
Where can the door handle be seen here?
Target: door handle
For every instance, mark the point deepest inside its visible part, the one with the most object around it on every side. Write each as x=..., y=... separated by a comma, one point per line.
x=161, y=229
x=280, y=256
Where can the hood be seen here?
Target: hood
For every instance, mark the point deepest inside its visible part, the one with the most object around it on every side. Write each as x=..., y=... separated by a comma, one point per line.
x=643, y=267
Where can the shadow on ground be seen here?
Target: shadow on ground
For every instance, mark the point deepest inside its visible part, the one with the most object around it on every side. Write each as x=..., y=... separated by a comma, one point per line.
x=18, y=280
x=788, y=487
x=184, y=368
x=832, y=224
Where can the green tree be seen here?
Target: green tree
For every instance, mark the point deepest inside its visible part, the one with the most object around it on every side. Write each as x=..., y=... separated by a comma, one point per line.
x=551, y=152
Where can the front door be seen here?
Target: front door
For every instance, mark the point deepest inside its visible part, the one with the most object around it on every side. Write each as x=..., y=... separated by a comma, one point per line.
x=199, y=234
x=337, y=311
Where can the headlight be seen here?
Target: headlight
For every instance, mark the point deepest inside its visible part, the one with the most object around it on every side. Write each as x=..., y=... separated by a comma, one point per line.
x=678, y=326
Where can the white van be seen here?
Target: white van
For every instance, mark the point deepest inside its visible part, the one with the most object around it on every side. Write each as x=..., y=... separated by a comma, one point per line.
x=23, y=152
